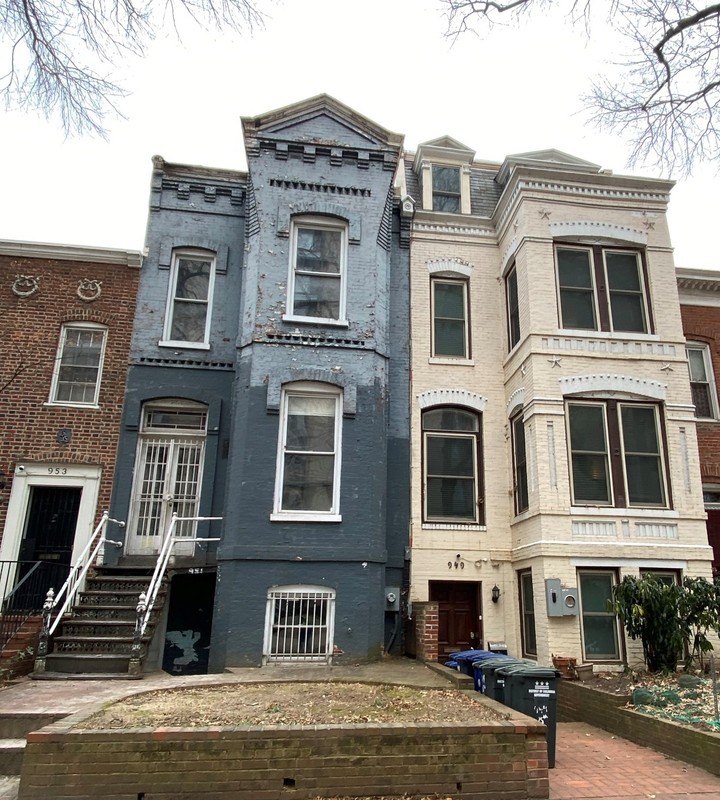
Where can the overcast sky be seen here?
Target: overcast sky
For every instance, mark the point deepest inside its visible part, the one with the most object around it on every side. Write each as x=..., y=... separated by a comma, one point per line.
x=510, y=92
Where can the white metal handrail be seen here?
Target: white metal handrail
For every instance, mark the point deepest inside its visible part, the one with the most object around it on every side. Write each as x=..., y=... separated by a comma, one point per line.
x=147, y=599
x=77, y=574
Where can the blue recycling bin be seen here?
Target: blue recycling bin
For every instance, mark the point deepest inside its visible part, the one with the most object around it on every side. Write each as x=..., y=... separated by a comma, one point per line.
x=465, y=659
x=532, y=690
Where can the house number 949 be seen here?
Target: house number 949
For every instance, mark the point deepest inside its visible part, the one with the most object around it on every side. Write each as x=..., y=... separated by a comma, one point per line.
x=57, y=470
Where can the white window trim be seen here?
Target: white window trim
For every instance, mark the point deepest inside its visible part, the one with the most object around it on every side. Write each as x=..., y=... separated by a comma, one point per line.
x=444, y=358
x=660, y=453
x=58, y=361
x=641, y=281
x=166, y=341
x=307, y=389
x=608, y=460
x=618, y=629
x=704, y=348
x=321, y=223
x=596, y=307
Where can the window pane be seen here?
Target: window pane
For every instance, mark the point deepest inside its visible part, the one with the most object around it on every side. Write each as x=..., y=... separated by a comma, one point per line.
x=639, y=429
x=318, y=250
x=513, y=309
x=574, y=269
x=315, y=434
x=626, y=292
x=449, y=419
x=308, y=482
x=451, y=497
x=188, y=323
x=600, y=635
x=528, y=614
x=446, y=179
x=644, y=479
x=628, y=312
x=450, y=455
x=701, y=399
x=449, y=300
x=520, y=461
x=622, y=271
x=587, y=428
x=193, y=279
x=696, y=362
x=317, y=296
x=596, y=591
x=449, y=338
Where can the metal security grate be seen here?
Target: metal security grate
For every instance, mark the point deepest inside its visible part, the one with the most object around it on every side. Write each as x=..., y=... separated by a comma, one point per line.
x=300, y=624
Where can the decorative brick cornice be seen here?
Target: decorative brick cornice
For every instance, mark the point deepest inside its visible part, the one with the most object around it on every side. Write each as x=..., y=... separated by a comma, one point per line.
x=597, y=230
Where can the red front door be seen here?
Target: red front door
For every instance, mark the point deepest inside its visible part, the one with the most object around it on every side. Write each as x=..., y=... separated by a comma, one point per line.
x=460, y=626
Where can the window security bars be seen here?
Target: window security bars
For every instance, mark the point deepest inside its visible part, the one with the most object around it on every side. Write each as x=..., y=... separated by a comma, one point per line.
x=300, y=624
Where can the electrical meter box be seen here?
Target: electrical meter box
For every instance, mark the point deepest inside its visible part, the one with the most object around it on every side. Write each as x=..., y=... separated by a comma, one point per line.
x=561, y=602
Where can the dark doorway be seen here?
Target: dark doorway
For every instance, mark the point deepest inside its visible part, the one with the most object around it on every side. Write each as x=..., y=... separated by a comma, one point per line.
x=713, y=532
x=460, y=626
x=48, y=537
x=189, y=624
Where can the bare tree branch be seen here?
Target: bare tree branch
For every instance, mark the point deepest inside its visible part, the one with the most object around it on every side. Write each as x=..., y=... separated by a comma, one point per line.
x=665, y=99
x=60, y=53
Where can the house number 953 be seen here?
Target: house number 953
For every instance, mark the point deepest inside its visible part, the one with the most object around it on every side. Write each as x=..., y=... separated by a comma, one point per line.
x=57, y=470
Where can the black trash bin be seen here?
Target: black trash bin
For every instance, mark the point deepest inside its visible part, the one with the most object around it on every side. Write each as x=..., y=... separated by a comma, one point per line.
x=532, y=690
x=497, y=660
x=494, y=683
x=465, y=658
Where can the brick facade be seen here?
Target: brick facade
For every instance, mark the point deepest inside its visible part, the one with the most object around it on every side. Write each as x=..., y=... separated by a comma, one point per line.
x=31, y=327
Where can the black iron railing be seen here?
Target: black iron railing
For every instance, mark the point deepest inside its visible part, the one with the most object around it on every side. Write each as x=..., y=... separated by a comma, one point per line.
x=23, y=588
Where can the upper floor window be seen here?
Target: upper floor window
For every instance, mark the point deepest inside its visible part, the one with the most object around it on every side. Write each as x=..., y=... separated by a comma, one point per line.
x=446, y=188
x=602, y=289
x=520, y=478
x=616, y=454
x=450, y=318
x=513, y=308
x=78, y=365
x=318, y=255
x=452, y=465
x=192, y=278
x=308, y=470
x=702, y=381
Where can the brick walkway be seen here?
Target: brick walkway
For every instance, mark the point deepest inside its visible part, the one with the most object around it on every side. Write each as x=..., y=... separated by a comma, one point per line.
x=591, y=763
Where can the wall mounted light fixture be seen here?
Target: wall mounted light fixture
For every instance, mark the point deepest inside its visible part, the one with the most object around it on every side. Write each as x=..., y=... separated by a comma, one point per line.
x=495, y=593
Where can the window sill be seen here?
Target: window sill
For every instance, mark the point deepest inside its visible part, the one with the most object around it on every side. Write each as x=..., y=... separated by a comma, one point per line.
x=336, y=323
x=453, y=526
x=450, y=361
x=282, y=516
x=631, y=511
x=185, y=345
x=69, y=404
x=708, y=420
x=617, y=335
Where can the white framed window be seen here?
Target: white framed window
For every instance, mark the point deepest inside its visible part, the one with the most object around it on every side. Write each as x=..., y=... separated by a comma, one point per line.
x=299, y=624
x=318, y=263
x=616, y=454
x=450, y=326
x=600, y=627
x=168, y=472
x=307, y=484
x=190, y=295
x=445, y=188
x=702, y=380
x=452, y=452
x=602, y=289
x=78, y=364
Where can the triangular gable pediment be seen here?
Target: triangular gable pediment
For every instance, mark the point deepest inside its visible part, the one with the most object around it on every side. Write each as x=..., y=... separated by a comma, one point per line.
x=547, y=158
x=321, y=120
x=443, y=149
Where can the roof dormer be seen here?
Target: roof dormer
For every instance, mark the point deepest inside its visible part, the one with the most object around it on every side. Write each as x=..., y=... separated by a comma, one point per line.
x=443, y=168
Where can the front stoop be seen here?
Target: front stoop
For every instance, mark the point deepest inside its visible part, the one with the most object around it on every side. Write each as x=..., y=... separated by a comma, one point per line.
x=94, y=639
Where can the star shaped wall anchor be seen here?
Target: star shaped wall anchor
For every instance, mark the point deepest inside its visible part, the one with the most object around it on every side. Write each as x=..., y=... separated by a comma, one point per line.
x=555, y=361
x=667, y=368
x=544, y=213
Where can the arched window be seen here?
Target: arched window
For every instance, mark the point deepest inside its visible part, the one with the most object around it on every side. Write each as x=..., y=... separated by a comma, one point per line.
x=452, y=458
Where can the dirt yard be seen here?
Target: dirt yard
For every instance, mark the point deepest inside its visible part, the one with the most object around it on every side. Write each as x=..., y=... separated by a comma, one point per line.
x=288, y=704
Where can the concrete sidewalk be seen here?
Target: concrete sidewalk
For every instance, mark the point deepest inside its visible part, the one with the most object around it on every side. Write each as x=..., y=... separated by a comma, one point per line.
x=590, y=763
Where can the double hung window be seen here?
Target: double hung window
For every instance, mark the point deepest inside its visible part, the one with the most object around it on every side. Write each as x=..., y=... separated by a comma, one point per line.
x=702, y=381
x=452, y=448
x=450, y=318
x=308, y=473
x=446, y=188
x=520, y=478
x=316, y=285
x=192, y=278
x=600, y=634
x=527, y=614
x=602, y=289
x=513, y=308
x=78, y=365
x=616, y=454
